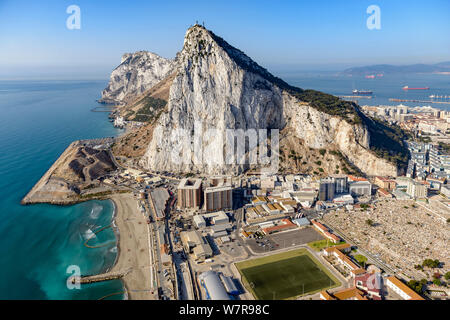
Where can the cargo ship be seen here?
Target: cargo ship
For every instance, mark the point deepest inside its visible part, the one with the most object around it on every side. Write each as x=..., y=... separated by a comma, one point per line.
x=367, y=92
x=370, y=76
x=408, y=88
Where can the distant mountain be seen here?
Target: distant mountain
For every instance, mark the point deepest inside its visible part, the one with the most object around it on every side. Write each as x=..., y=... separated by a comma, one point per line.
x=391, y=69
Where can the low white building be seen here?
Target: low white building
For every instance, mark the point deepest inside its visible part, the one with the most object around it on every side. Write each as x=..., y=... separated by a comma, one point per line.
x=401, y=289
x=199, y=221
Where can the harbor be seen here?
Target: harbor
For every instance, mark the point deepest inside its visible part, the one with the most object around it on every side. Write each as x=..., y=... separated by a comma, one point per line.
x=418, y=101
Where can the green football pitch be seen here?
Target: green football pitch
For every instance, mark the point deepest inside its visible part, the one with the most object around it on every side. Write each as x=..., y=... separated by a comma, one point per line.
x=285, y=275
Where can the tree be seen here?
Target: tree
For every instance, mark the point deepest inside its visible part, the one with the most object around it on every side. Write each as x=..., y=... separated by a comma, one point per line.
x=430, y=263
x=447, y=275
x=369, y=222
x=437, y=282
x=416, y=285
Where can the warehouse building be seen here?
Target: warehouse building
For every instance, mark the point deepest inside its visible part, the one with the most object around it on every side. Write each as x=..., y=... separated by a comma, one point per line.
x=214, y=288
x=199, y=221
x=229, y=284
x=195, y=244
x=301, y=222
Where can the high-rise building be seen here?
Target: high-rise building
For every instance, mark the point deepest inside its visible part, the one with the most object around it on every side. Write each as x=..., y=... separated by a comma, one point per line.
x=326, y=189
x=218, y=198
x=189, y=194
x=340, y=184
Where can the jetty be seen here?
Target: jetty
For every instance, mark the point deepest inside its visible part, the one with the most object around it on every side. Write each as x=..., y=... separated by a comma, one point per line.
x=102, y=277
x=420, y=101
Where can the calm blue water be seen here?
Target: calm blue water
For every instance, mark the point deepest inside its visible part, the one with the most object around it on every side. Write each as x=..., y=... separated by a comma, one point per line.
x=39, y=242
x=389, y=86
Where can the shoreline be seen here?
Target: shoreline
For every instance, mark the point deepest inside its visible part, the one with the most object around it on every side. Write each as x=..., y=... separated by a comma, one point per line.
x=117, y=236
x=132, y=258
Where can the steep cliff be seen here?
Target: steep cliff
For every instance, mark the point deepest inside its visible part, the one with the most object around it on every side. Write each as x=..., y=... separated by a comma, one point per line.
x=137, y=73
x=216, y=86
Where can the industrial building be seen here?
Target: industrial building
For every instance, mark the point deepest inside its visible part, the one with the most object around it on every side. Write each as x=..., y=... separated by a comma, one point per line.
x=216, y=217
x=214, y=288
x=199, y=221
x=301, y=222
x=220, y=230
x=189, y=194
x=194, y=243
x=229, y=284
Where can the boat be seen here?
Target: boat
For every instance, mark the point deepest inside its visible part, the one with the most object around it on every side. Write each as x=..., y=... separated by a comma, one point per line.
x=362, y=92
x=408, y=88
x=370, y=76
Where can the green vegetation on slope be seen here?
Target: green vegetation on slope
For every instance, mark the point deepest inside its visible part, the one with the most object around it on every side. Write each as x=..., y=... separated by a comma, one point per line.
x=151, y=110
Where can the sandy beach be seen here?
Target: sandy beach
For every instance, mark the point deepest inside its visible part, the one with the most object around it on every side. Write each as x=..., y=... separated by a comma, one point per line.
x=133, y=248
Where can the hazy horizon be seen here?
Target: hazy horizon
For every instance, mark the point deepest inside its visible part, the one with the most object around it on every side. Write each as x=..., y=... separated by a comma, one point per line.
x=287, y=36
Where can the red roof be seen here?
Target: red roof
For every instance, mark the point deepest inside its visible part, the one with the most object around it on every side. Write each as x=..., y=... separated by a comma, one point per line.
x=353, y=178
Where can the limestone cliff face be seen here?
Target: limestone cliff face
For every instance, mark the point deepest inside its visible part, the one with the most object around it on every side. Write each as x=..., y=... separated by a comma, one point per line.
x=136, y=73
x=218, y=87
x=211, y=89
x=319, y=130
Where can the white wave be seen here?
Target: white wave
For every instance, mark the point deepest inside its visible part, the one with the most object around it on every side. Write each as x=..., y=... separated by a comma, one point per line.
x=89, y=234
x=113, y=249
x=95, y=212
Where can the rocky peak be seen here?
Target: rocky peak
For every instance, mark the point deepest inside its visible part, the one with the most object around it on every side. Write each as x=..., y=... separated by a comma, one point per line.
x=217, y=86
x=136, y=73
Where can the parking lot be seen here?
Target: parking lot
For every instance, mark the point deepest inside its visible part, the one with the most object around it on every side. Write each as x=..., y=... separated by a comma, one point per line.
x=283, y=240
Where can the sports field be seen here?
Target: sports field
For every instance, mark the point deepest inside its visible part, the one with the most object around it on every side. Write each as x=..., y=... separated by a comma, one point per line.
x=285, y=275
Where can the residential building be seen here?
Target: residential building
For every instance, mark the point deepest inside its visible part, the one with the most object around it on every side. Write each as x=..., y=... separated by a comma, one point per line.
x=218, y=198
x=385, y=183
x=359, y=186
x=417, y=190
x=189, y=194
x=326, y=189
x=340, y=184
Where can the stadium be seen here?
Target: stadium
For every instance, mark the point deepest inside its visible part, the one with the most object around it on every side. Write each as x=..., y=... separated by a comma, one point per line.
x=286, y=275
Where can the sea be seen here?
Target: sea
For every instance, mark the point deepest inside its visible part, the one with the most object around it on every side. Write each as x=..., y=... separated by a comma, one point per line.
x=383, y=87
x=41, y=245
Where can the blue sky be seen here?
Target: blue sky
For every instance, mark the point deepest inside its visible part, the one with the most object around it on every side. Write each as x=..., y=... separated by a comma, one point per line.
x=280, y=35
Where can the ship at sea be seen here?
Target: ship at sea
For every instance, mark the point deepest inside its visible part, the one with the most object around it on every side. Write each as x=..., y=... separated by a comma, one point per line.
x=366, y=92
x=408, y=88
